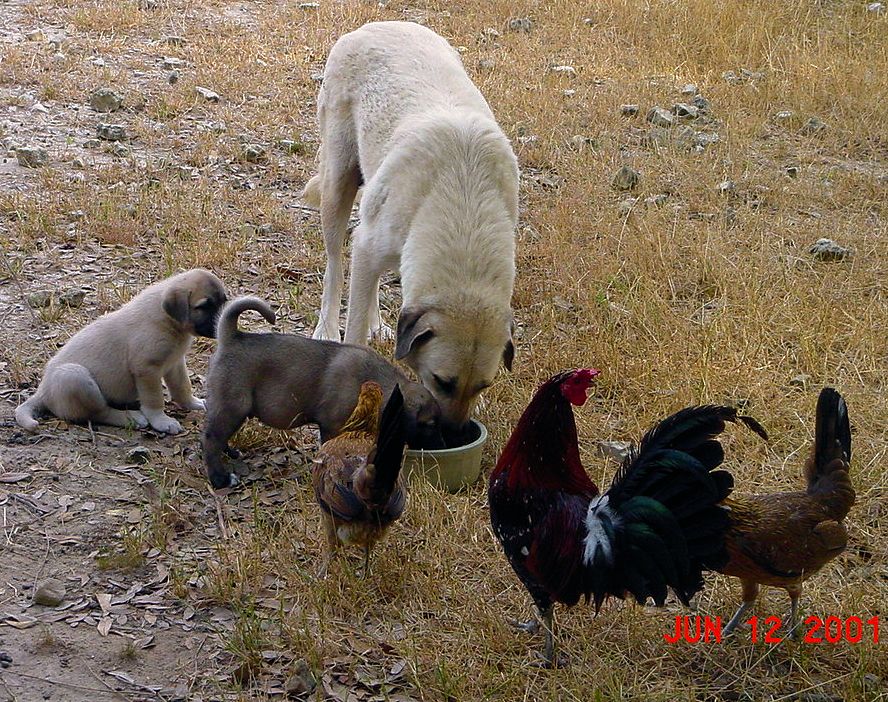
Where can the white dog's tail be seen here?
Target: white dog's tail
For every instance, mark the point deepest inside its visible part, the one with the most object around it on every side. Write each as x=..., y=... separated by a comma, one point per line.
x=311, y=195
x=226, y=327
x=26, y=413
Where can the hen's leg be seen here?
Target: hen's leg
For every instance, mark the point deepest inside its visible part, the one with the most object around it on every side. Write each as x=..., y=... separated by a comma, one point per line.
x=332, y=544
x=750, y=592
x=792, y=628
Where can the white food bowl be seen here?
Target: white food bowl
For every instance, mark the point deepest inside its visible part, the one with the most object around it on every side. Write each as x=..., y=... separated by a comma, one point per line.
x=451, y=469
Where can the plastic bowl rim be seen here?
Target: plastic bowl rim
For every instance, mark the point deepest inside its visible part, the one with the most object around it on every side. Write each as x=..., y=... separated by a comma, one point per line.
x=456, y=449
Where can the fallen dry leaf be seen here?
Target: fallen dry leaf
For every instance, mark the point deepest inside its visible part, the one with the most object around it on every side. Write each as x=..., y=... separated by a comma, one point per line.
x=104, y=625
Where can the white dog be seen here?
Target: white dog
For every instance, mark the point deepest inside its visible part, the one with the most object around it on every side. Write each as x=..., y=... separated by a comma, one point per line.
x=399, y=115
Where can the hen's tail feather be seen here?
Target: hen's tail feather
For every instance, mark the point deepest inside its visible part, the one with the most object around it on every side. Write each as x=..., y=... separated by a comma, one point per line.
x=828, y=466
x=390, y=444
x=665, y=503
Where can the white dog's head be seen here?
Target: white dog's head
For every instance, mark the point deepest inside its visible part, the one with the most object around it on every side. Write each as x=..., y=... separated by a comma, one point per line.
x=455, y=354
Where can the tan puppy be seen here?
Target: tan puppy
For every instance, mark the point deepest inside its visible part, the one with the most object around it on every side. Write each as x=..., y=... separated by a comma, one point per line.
x=119, y=360
x=398, y=114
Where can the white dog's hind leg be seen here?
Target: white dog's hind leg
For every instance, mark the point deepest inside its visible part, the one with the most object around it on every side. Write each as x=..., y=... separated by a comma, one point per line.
x=341, y=176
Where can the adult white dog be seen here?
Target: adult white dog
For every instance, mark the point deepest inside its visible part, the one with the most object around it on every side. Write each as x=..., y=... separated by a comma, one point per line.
x=399, y=114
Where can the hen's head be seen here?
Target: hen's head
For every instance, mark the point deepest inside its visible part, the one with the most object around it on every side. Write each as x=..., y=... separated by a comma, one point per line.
x=574, y=384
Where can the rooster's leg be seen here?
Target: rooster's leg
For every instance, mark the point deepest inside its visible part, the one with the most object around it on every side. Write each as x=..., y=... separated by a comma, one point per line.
x=548, y=618
x=792, y=628
x=366, y=561
x=750, y=592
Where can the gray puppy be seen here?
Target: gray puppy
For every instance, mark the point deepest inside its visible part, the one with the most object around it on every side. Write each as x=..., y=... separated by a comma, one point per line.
x=287, y=380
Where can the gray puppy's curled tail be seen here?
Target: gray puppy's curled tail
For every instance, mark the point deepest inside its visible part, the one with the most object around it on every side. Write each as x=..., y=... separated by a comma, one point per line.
x=226, y=327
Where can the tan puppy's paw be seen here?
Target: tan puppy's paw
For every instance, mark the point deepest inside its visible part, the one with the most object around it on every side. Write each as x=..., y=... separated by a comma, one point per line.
x=137, y=419
x=163, y=423
x=195, y=403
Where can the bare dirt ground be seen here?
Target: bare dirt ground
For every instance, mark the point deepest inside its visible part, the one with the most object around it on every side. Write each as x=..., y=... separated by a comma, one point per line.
x=697, y=286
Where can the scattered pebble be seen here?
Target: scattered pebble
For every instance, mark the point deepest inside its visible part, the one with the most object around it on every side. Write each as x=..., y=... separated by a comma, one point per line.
x=174, y=40
x=92, y=144
x=629, y=110
x=32, y=156
x=78, y=163
x=783, y=116
x=570, y=92
x=173, y=77
x=111, y=132
x=486, y=64
x=726, y=186
x=701, y=103
x=138, y=454
x=581, y=142
x=50, y=593
x=309, y=5
x=301, y=681
x=626, y=178
x=519, y=24
x=617, y=450
x=5, y=659
x=828, y=250
x=40, y=299
x=626, y=206
x=35, y=35
x=813, y=126
x=685, y=111
x=660, y=117
x=563, y=70
x=875, y=7
x=254, y=153
x=105, y=100
x=792, y=171
x=689, y=89
x=207, y=94
x=657, y=200
x=120, y=150
x=170, y=62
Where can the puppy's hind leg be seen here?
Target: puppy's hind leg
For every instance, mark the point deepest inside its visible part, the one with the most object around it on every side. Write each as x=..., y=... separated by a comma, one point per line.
x=222, y=422
x=73, y=395
x=341, y=176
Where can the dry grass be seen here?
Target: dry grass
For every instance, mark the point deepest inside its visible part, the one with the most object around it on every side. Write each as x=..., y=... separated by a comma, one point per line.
x=707, y=297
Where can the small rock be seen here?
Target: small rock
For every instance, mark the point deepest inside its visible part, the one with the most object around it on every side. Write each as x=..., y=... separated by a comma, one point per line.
x=617, y=450
x=629, y=110
x=111, y=132
x=746, y=74
x=489, y=33
x=301, y=681
x=792, y=171
x=875, y=7
x=581, y=142
x=147, y=4
x=35, y=35
x=828, y=250
x=814, y=125
x=78, y=163
x=120, y=150
x=31, y=156
x=174, y=40
x=685, y=111
x=563, y=70
x=50, y=593
x=5, y=660
x=292, y=146
x=40, y=299
x=207, y=94
x=248, y=230
x=701, y=103
x=138, y=454
x=173, y=77
x=704, y=139
x=725, y=187
x=657, y=200
x=689, y=89
x=570, y=92
x=309, y=5
x=660, y=117
x=783, y=116
x=802, y=380
x=254, y=153
x=626, y=178
x=73, y=297
x=731, y=77
x=486, y=64
x=589, y=21
x=519, y=24
x=871, y=682
x=626, y=206
x=76, y=215
x=317, y=76
x=105, y=100
x=170, y=62
x=92, y=144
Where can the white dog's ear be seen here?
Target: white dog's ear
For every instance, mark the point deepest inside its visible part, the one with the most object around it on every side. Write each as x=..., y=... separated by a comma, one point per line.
x=509, y=351
x=175, y=304
x=413, y=331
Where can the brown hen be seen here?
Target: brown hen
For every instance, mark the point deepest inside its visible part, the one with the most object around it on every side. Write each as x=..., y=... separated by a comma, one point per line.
x=357, y=475
x=784, y=538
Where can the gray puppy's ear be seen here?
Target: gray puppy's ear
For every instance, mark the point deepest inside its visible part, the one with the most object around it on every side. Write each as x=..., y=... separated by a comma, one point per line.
x=175, y=304
x=413, y=331
x=509, y=350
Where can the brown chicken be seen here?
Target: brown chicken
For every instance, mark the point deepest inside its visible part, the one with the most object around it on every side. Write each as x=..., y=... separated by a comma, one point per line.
x=783, y=539
x=357, y=475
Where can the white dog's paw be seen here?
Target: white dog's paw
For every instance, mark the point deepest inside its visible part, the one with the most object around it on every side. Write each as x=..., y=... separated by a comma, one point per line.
x=326, y=332
x=167, y=425
x=137, y=418
x=383, y=333
x=195, y=403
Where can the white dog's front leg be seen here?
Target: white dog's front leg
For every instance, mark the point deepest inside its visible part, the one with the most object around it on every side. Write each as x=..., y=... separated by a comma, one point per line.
x=379, y=330
x=151, y=404
x=180, y=387
x=328, y=319
x=363, y=293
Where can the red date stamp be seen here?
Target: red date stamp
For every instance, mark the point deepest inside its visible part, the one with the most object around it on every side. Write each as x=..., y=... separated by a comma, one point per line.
x=814, y=630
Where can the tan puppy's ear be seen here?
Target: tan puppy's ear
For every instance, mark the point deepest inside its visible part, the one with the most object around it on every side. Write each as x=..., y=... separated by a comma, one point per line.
x=509, y=350
x=175, y=304
x=413, y=331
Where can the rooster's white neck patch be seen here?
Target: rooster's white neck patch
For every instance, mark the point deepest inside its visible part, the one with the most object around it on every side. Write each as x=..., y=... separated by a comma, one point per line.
x=596, y=535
